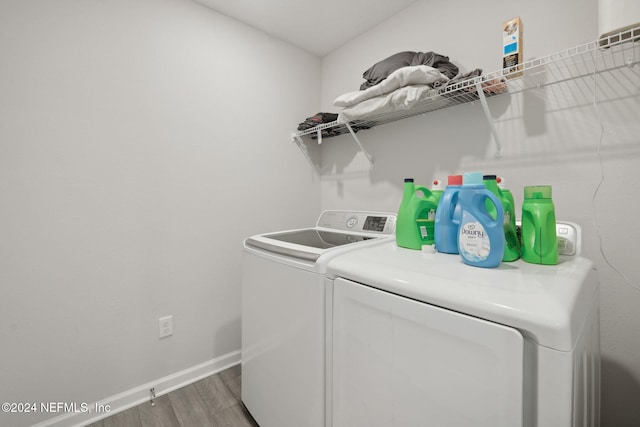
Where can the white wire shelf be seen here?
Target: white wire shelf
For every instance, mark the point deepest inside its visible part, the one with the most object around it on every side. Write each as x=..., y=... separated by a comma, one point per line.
x=604, y=55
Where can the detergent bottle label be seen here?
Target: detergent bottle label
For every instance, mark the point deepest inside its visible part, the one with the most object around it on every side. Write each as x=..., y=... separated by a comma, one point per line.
x=474, y=242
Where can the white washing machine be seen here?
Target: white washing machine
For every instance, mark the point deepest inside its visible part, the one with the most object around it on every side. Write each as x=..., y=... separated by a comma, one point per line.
x=283, y=314
x=421, y=339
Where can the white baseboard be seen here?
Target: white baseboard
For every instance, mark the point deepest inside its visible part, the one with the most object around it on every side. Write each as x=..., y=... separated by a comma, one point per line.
x=135, y=396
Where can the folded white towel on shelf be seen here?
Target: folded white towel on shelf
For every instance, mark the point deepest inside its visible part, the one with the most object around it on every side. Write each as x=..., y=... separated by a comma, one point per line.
x=405, y=76
x=403, y=98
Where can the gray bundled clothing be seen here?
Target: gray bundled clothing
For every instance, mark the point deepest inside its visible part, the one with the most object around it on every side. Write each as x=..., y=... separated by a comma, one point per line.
x=381, y=70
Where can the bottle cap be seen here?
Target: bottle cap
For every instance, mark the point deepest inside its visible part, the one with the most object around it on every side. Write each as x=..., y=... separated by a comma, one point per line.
x=408, y=180
x=472, y=178
x=454, y=180
x=537, y=192
x=486, y=177
x=437, y=185
x=500, y=181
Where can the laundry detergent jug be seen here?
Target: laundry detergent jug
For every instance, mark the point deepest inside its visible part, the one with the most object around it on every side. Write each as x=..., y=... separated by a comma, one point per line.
x=416, y=216
x=480, y=237
x=512, y=245
x=539, y=238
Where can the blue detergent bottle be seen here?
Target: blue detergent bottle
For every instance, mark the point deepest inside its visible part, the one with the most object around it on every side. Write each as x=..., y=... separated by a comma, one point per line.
x=447, y=220
x=481, y=237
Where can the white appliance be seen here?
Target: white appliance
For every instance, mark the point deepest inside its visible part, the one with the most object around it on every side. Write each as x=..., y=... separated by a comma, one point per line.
x=617, y=15
x=283, y=314
x=421, y=339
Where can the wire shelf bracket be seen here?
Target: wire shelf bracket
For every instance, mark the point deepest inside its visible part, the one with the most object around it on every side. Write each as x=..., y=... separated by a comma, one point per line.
x=487, y=113
x=362, y=149
x=300, y=143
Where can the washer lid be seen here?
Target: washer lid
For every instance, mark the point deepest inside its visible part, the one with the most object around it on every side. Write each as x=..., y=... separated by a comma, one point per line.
x=334, y=229
x=308, y=243
x=548, y=304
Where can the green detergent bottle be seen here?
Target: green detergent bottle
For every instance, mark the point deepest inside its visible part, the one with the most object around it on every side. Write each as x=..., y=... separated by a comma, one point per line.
x=416, y=216
x=489, y=181
x=506, y=193
x=512, y=245
x=539, y=239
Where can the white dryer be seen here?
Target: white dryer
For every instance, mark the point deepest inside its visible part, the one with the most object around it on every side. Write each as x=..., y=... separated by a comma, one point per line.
x=421, y=339
x=283, y=314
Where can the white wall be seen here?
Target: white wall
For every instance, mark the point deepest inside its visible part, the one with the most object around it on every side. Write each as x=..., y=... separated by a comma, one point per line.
x=550, y=136
x=140, y=142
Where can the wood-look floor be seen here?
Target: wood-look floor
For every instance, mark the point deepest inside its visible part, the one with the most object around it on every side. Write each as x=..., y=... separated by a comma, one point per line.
x=212, y=402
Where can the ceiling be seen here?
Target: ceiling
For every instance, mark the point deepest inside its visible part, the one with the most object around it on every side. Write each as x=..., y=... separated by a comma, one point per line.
x=316, y=26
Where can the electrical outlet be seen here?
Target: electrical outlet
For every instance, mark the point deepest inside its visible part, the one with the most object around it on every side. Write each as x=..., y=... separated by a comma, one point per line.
x=165, y=326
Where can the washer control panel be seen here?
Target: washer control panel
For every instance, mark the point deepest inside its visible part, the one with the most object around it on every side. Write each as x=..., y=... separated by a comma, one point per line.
x=359, y=221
